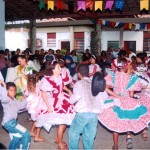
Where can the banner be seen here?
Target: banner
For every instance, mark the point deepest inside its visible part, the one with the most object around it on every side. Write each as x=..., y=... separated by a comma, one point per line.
x=109, y=4
x=89, y=4
x=81, y=5
x=119, y=4
x=59, y=5
x=144, y=4
x=50, y=4
x=98, y=5
x=42, y=4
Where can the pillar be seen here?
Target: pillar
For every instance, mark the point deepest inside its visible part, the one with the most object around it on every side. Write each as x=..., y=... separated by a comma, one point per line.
x=98, y=39
x=121, y=44
x=32, y=36
x=71, y=38
x=2, y=25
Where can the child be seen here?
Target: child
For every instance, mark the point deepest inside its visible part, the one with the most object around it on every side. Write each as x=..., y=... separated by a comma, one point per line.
x=87, y=108
x=20, y=136
x=93, y=68
x=131, y=115
x=35, y=105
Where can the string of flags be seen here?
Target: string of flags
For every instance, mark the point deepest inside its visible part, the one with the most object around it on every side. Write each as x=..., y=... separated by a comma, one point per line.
x=91, y=4
x=125, y=26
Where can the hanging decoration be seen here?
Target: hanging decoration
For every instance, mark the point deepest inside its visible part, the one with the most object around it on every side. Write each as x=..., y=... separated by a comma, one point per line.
x=137, y=27
x=89, y=4
x=130, y=26
x=148, y=26
x=81, y=5
x=119, y=5
x=109, y=4
x=98, y=5
x=42, y=4
x=71, y=6
x=50, y=4
x=142, y=27
x=144, y=4
x=59, y=5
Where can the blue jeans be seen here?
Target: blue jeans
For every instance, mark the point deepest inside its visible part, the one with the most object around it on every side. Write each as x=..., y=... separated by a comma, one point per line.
x=20, y=137
x=85, y=123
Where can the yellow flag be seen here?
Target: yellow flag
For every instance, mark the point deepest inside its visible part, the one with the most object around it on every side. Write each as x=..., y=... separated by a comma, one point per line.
x=144, y=4
x=50, y=4
x=130, y=26
x=98, y=5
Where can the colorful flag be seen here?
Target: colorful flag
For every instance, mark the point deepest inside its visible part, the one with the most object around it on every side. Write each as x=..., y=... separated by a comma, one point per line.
x=42, y=4
x=89, y=4
x=143, y=25
x=119, y=4
x=148, y=26
x=59, y=5
x=81, y=5
x=137, y=27
x=109, y=4
x=130, y=26
x=144, y=4
x=50, y=4
x=98, y=5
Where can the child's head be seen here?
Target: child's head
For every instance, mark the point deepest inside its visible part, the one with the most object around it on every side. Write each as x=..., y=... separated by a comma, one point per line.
x=31, y=82
x=61, y=63
x=83, y=70
x=123, y=65
x=11, y=89
x=92, y=59
x=133, y=59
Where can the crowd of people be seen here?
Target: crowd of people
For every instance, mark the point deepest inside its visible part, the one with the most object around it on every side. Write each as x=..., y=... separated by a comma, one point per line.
x=112, y=88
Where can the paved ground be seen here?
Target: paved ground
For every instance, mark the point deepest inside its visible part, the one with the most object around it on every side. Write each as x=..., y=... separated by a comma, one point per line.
x=103, y=139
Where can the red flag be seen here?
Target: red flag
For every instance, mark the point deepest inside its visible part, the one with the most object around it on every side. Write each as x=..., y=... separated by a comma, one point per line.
x=89, y=4
x=126, y=26
x=112, y=24
x=99, y=22
x=148, y=26
x=59, y=5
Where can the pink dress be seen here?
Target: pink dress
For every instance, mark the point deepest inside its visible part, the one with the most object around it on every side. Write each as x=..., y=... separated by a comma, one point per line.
x=62, y=110
x=131, y=115
x=65, y=73
x=93, y=68
x=35, y=104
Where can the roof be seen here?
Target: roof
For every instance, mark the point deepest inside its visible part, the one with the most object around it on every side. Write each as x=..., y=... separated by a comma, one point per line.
x=29, y=9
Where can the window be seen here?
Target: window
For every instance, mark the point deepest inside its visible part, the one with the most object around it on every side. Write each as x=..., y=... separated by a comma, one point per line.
x=130, y=45
x=79, y=41
x=114, y=44
x=51, y=40
x=146, y=41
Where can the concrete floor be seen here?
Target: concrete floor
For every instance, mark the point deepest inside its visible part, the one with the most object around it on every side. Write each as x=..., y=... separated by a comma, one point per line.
x=103, y=139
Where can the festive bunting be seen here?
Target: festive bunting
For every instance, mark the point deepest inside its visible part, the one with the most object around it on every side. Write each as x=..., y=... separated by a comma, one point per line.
x=99, y=22
x=81, y=5
x=148, y=26
x=119, y=4
x=89, y=4
x=117, y=23
x=126, y=26
x=70, y=7
x=112, y=24
x=109, y=4
x=50, y=4
x=142, y=27
x=120, y=24
x=59, y=5
x=42, y=4
x=144, y=4
x=98, y=5
x=130, y=26
x=137, y=27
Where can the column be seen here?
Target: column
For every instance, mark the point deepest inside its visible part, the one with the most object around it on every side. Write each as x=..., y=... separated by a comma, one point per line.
x=121, y=44
x=32, y=36
x=71, y=38
x=98, y=39
x=2, y=25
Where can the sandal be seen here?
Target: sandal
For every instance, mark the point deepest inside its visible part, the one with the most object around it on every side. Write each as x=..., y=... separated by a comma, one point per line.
x=63, y=146
x=129, y=143
x=144, y=136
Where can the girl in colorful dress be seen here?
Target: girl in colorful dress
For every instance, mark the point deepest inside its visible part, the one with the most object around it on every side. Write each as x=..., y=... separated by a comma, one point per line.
x=35, y=105
x=61, y=112
x=22, y=71
x=65, y=73
x=131, y=116
x=93, y=67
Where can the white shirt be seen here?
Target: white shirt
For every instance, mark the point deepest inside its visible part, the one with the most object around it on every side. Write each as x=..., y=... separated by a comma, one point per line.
x=85, y=101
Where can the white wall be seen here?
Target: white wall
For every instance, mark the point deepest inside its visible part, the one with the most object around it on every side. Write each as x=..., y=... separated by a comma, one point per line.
x=16, y=38
x=134, y=36
x=127, y=36
x=109, y=36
